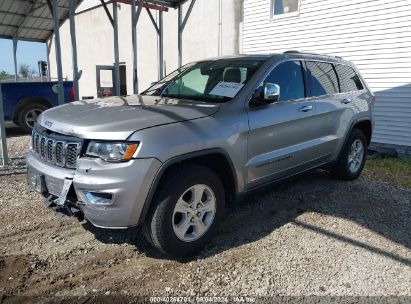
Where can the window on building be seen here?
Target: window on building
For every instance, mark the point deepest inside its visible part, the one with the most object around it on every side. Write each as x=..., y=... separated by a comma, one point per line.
x=349, y=79
x=323, y=78
x=283, y=7
x=289, y=76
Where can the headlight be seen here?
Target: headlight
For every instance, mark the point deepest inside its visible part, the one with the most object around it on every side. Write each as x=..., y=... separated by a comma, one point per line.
x=114, y=152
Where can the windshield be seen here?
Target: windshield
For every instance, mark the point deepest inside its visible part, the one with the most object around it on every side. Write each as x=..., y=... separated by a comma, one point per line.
x=214, y=80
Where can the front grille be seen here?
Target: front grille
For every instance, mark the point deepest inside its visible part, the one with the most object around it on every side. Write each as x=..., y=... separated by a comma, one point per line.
x=56, y=149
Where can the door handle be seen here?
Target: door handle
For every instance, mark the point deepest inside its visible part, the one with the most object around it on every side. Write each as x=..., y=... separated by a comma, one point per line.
x=305, y=108
x=346, y=101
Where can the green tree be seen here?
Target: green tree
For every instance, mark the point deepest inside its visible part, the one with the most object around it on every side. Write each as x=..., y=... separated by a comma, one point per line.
x=24, y=70
x=5, y=75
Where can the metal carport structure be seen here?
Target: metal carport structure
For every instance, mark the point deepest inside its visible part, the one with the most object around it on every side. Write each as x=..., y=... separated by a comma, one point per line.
x=38, y=20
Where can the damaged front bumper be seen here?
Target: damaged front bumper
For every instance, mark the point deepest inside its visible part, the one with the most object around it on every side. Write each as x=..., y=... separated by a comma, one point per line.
x=109, y=195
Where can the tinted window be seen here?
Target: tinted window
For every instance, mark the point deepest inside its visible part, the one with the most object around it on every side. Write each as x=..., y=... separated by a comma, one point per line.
x=323, y=78
x=349, y=80
x=289, y=76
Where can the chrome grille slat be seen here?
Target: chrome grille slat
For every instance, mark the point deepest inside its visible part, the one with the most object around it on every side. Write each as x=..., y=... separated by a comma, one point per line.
x=50, y=144
x=38, y=143
x=62, y=153
x=71, y=156
x=43, y=147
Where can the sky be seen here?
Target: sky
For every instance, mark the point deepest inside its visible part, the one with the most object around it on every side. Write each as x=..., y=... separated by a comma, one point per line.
x=27, y=53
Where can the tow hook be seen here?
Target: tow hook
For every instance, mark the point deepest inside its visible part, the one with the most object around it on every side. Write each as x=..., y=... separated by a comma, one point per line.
x=65, y=211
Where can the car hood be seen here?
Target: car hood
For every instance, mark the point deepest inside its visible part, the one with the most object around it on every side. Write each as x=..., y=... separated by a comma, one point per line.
x=116, y=118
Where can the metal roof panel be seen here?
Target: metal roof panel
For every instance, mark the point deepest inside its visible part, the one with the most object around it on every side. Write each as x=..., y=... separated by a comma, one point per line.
x=32, y=20
x=28, y=19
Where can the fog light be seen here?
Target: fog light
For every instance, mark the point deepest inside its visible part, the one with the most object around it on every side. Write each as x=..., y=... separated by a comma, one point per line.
x=99, y=198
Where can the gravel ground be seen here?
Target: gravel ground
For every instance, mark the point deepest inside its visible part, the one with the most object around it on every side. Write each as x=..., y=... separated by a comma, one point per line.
x=309, y=236
x=17, y=145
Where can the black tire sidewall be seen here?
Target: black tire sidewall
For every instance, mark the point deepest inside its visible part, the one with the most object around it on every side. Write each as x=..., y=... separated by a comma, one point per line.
x=346, y=172
x=21, y=118
x=169, y=242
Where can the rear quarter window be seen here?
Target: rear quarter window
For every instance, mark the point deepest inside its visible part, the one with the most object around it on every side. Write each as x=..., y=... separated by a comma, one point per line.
x=349, y=80
x=323, y=78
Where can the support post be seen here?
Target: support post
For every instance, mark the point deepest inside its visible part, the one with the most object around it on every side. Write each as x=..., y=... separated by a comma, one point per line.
x=181, y=25
x=3, y=141
x=48, y=60
x=72, y=8
x=161, y=46
x=15, y=41
x=220, y=27
x=180, y=33
x=134, y=45
x=58, y=51
x=135, y=16
x=159, y=27
x=116, y=51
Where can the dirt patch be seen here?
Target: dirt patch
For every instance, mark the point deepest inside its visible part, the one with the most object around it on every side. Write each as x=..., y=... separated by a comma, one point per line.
x=13, y=272
x=311, y=235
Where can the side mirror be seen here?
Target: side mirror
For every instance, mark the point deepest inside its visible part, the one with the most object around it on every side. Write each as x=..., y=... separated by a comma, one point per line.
x=269, y=93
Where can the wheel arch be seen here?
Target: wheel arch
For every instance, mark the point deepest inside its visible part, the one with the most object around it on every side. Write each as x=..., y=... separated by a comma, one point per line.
x=30, y=100
x=216, y=159
x=366, y=127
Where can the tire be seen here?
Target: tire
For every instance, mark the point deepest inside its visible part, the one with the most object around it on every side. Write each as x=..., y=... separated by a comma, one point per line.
x=27, y=116
x=164, y=219
x=347, y=168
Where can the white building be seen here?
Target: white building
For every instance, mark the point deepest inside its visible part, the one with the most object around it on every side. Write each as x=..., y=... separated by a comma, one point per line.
x=374, y=34
x=95, y=41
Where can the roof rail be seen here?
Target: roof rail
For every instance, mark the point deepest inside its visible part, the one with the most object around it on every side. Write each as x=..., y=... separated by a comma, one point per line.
x=307, y=53
x=292, y=52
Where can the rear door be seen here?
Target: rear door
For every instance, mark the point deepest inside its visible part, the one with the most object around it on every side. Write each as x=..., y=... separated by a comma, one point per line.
x=334, y=111
x=353, y=88
x=282, y=136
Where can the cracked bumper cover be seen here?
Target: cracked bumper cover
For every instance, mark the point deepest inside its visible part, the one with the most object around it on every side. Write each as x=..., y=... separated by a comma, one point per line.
x=128, y=182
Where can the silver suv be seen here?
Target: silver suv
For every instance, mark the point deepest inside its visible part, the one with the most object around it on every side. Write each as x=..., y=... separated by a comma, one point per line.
x=171, y=158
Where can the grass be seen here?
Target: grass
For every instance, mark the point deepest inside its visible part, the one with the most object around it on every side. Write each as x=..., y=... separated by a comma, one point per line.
x=396, y=171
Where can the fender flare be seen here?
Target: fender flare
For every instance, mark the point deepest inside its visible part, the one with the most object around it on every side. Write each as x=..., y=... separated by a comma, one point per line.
x=354, y=123
x=172, y=161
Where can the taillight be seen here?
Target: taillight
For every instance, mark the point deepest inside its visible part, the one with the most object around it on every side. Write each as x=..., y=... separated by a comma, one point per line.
x=72, y=94
x=373, y=99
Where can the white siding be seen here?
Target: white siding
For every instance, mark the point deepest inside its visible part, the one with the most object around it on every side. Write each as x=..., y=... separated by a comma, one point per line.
x=374, y=34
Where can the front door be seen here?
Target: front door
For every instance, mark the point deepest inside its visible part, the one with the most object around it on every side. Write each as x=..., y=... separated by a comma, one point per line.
x=105, y=80
x=282, y=138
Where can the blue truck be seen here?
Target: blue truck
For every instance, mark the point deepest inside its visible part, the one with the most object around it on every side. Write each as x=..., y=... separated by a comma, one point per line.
x=24, y=101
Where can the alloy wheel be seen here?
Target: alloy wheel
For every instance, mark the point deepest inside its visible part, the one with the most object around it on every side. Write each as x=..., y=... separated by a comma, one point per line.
x=356, y=156
x=194, y=213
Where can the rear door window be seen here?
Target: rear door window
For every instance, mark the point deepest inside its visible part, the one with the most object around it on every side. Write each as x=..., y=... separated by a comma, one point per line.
x=349, y=80
x=323, y=78
x=289, y=76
